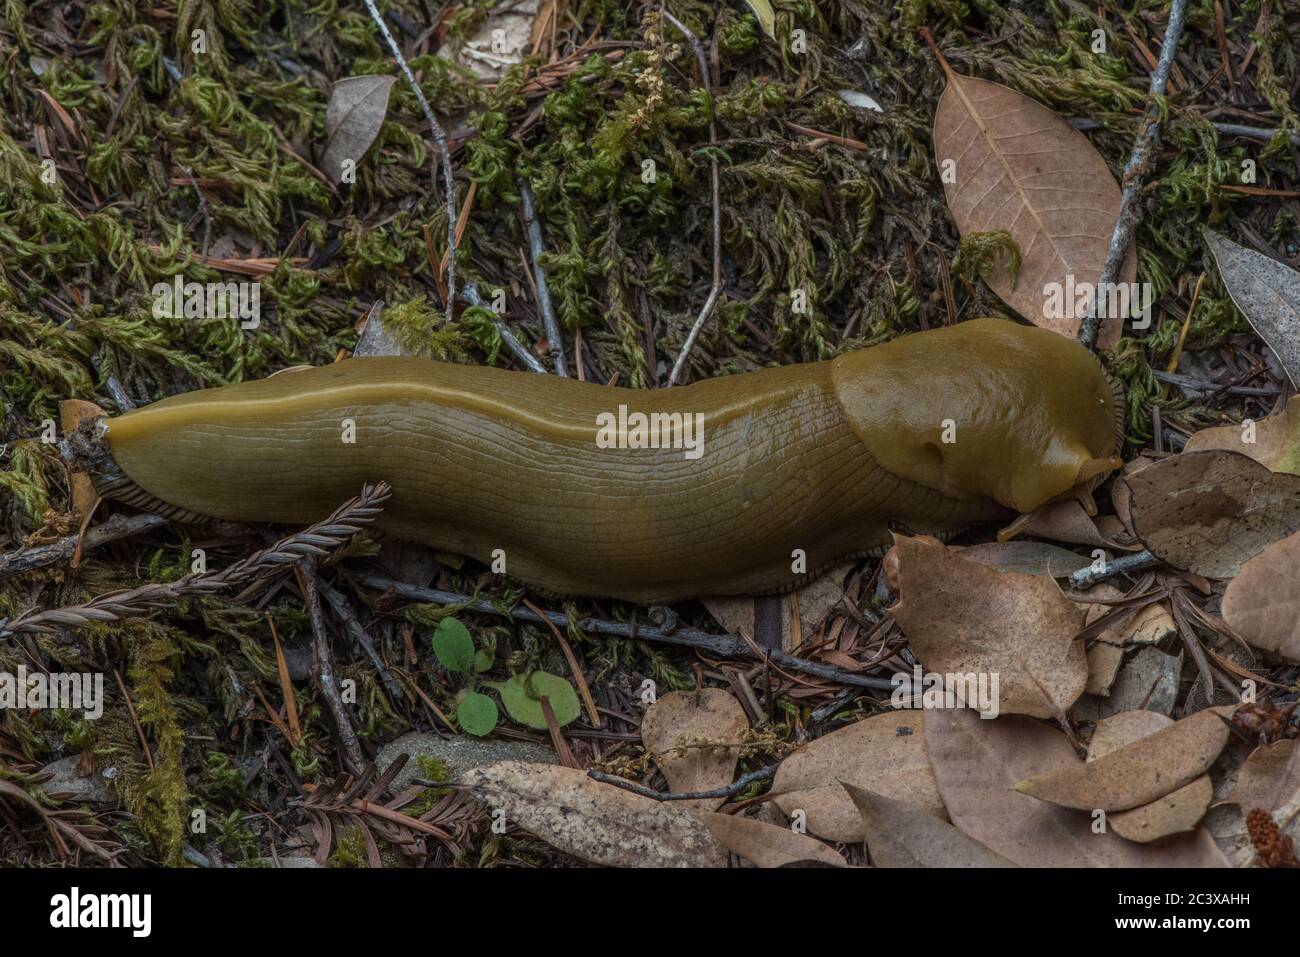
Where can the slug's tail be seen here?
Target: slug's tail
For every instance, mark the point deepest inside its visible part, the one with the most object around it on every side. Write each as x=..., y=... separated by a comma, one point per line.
x=85, y=450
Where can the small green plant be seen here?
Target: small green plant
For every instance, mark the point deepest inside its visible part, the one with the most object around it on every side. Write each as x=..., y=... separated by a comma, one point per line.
x=454, y=648
x=522, y=696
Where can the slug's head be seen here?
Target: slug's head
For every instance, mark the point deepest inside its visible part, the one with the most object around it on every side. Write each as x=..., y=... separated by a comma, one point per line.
x=985, y=409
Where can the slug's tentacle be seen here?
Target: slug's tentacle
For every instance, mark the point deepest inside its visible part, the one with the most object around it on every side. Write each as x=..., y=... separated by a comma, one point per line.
x=794, y=469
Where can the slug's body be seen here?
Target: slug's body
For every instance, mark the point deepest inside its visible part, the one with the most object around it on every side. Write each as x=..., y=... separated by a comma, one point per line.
x=818, y=458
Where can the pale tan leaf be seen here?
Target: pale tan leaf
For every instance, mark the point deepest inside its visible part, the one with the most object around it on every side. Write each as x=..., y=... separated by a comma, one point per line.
x=976, y=765
x=766, y=845
x=1270, y=779
x=356, y=111
x=1209, y=512
x=597, y=822
x=1023, y=169
x=678, y=727
x=1262, y=604
x=885, y=752
x=738, y=613
x=898, y=835
x=1268, y=294
x=1273, y=441
x=1179, y=811
x=961, y=617
x=1140, y=772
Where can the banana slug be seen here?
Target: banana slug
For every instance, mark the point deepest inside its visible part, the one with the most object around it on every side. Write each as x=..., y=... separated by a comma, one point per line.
x=937, y=431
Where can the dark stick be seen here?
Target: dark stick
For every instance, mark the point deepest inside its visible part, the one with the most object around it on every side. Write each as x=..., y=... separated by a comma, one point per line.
x=352, y=752
x=1137, y=561
x=119, y=526
x=346, y=615
x=731, y=790
x=724, y=646
x=535, y=249
x=1139, y=163
x=679, y=366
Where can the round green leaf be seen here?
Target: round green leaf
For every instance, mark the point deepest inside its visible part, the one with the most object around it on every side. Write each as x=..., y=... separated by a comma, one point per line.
x=477, y=714
x=483, y=660
x=521, y=693
x=453, y=646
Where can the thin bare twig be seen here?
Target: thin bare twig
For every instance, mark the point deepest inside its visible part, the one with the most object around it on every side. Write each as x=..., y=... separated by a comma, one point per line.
x=725, y=646
x=352, y=753
x=1086, y=577
x=715, y=291
x=350, y=518
x=517, y=348
x=39, y=556
x=731, y=790
x=349, y=619
x=554, y=338
x=444, y=154
x=1139, y=163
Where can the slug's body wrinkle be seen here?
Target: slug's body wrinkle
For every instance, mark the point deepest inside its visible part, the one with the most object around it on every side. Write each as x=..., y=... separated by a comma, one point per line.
x=817, y=457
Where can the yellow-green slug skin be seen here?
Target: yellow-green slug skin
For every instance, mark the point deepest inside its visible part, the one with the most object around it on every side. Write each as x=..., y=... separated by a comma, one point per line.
x=817, y=457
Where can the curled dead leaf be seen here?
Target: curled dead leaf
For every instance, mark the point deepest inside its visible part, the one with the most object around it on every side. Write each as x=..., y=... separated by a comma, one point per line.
x=898, y=835
x=1139, y=772
x=1268, y=294
x=1210, y=512
x=1262, y=604
x=767, y=845
x=885, y=752
x=1273, y=441
x=356, y=111
x=961, y=617
x=1177, y=812
x=677, y=730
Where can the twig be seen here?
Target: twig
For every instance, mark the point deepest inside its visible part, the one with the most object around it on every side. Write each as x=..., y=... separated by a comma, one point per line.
x=725, y=646
x=352, y=752
x=731, y=790
x=132, y=602
x=1137, y=561
x=554, y=338
x=716, y=289
x=1254, y=132
x=346, y=615
x=517, y=348
x=119, y=526
x=444, y=154
x=1140, y=160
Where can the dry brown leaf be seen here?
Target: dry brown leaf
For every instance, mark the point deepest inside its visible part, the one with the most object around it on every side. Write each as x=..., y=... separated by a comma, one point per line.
x=1270, y=779
x=1140, y=772
x=961, y=617
x=1209, y=512
x=885, y=752
x=976, y=764
x=356, y=111
x=1066, y=522
x=1178, y=812
x=72, y=412
x=766, y=845
x=1273, y=441
x=1268, y=294
x=599, y=823
x=677, y=724
x=898, y=835
x=1027, y=558
x=1023, y=169
x=1262, y=604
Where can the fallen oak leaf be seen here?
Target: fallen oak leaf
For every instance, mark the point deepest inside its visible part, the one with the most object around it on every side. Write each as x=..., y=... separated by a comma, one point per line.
x=1267, y=293
x=676, y=727
x=1210, y=512
x=962, y=617
x=1262, y=604
x=1140, y=772
x=1179, y=811
x=767, y=845
x=596, y=822
x=885, y=751
x=1009, y=163
x=898, y=835
x=356, y=111
x=1270, y=779
x=1273, y=441
x=977, y=762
